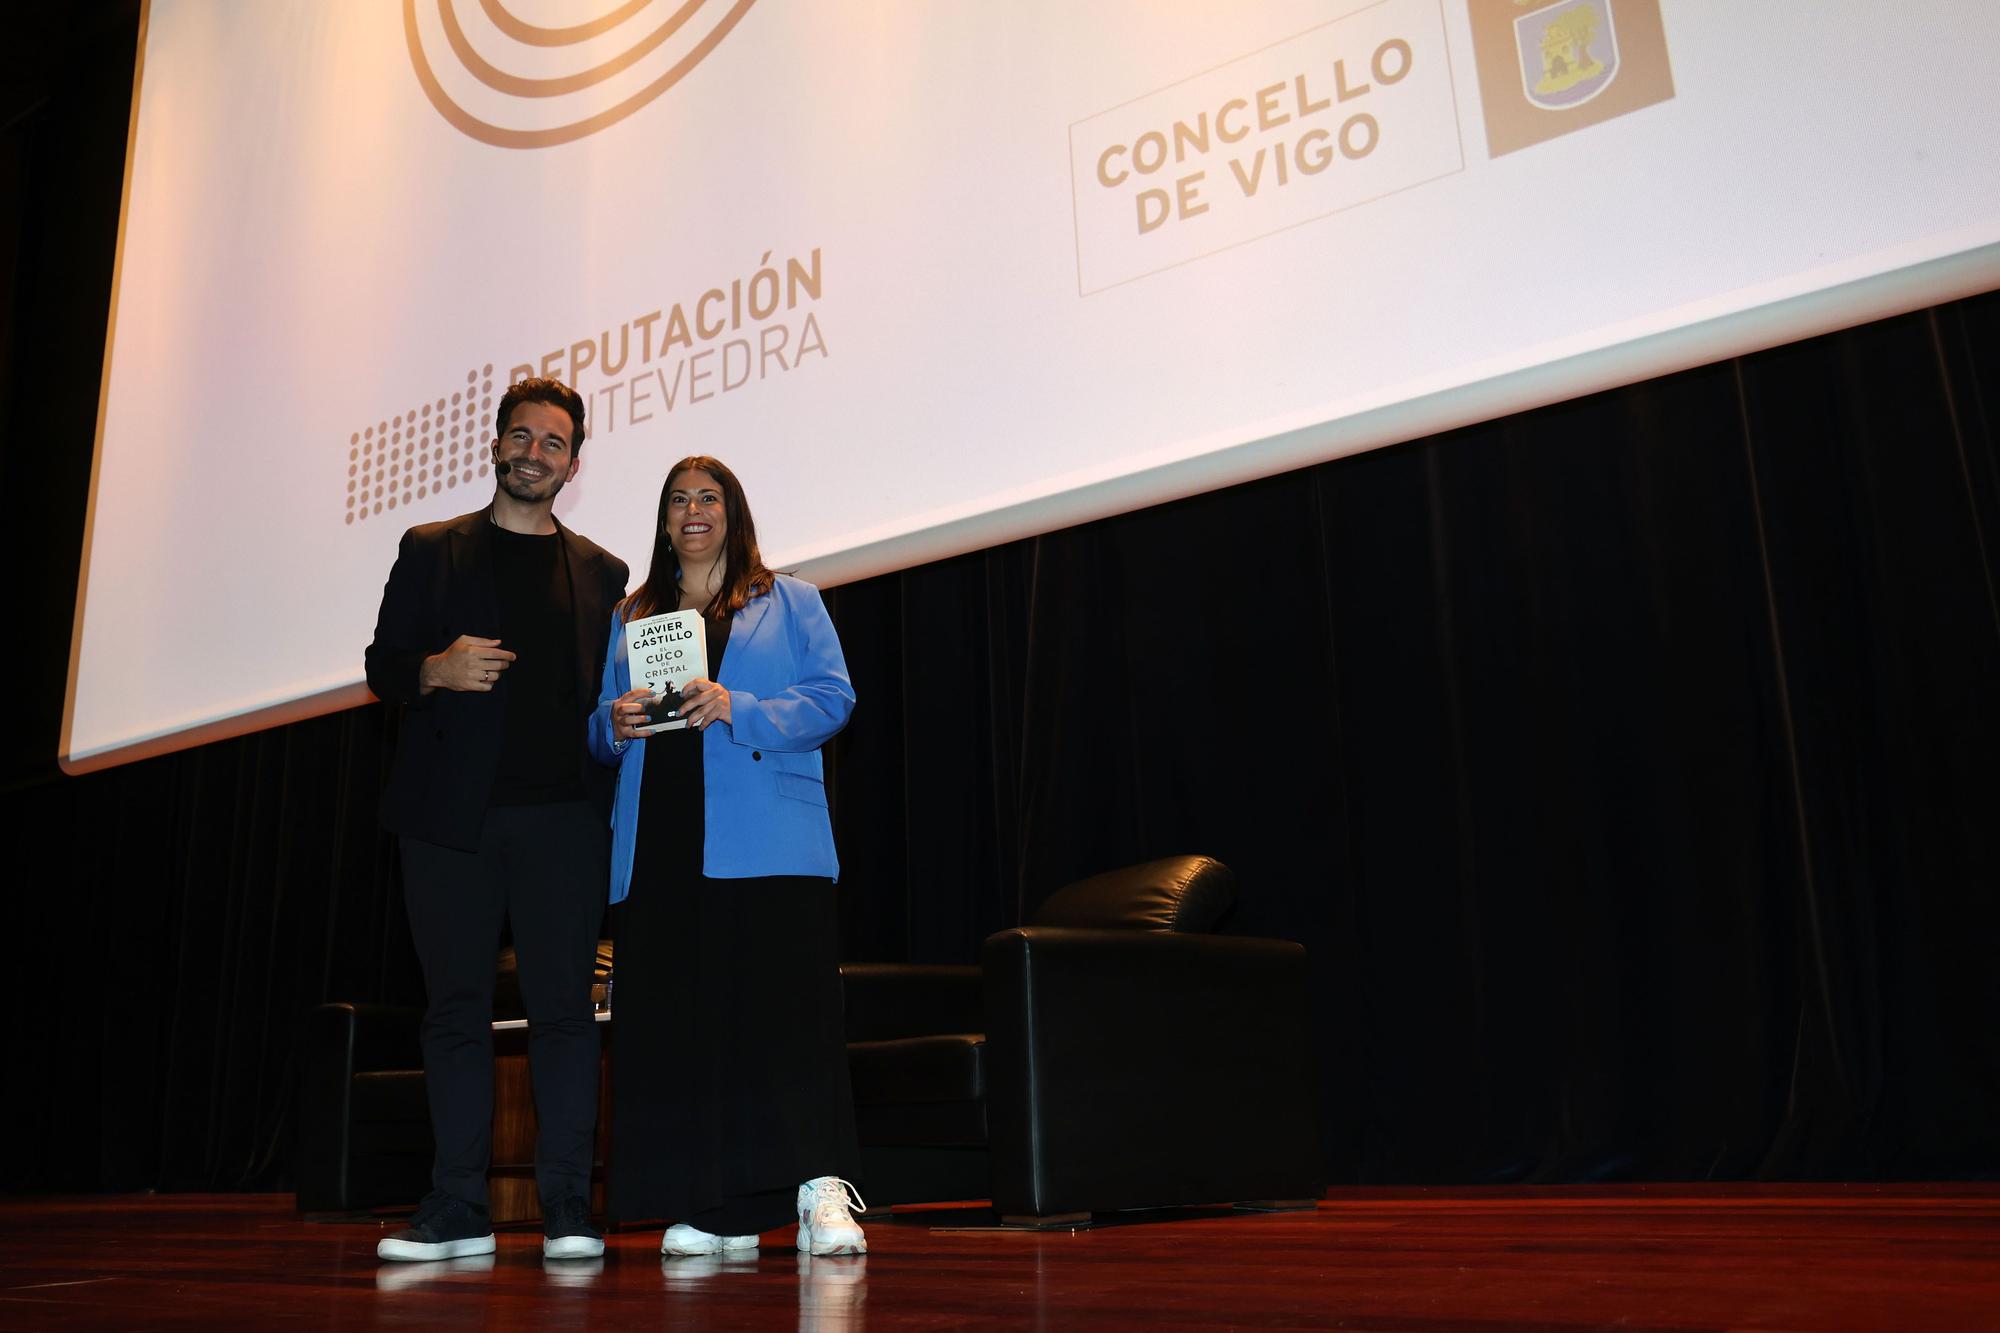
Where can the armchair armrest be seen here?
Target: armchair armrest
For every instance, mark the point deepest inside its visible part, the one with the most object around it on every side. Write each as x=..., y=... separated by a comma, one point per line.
x=364, y=1037
x=891, y=1001
x=1136, y=1069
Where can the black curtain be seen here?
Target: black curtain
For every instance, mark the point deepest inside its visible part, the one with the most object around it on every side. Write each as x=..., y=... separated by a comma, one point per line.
x=1629, y=767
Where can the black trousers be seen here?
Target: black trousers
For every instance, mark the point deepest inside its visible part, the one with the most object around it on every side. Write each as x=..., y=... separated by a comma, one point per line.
x=545, y=867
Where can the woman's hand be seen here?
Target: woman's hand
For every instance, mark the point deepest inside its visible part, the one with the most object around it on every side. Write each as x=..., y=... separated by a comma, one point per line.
x=628, y=714
x=703, y=701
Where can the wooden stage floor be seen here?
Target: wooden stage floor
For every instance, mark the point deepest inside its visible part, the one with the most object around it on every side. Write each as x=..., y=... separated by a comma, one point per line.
x=1646, y=1257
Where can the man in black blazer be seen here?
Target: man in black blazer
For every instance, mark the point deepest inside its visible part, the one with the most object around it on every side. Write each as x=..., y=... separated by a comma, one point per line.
x=490, y=641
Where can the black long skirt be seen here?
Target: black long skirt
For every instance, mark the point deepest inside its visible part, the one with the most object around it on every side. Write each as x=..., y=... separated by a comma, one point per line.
x=729, y=1074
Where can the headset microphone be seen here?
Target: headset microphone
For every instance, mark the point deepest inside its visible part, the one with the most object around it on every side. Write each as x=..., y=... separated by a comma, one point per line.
x=502, y=469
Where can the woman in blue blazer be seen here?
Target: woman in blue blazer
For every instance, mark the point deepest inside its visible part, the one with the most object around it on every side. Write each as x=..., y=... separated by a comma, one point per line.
x=731, y=1085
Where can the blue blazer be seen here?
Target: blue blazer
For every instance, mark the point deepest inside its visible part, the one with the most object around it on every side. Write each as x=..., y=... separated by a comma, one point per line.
x=765, y=787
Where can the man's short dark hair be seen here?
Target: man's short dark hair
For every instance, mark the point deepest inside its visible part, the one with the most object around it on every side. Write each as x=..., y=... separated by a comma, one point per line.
x=537, y=390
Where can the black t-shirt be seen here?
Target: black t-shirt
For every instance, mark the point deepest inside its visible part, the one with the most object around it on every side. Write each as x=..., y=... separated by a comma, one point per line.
x=541, y=756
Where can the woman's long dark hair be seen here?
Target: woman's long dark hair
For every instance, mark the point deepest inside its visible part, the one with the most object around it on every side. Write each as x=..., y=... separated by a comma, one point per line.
x=743, y=573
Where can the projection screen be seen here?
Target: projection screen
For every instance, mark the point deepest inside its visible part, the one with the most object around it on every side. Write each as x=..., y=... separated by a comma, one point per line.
x=931, y=276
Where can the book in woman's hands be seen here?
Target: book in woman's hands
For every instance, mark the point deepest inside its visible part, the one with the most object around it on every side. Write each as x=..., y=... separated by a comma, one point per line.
x=666, y=652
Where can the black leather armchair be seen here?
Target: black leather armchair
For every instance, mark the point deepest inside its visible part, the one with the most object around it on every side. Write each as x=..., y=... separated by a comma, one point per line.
x=1113, y=1054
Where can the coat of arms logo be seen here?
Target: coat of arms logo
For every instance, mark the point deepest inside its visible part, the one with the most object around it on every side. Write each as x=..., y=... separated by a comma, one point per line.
x=1549, y=68
x=1569, y=54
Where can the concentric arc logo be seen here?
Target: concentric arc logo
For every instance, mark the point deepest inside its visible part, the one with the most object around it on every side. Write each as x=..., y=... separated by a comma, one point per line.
x=511, y=83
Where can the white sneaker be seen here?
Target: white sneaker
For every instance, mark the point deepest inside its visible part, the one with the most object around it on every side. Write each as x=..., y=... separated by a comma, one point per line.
x=684, y=1239
x=826, y=1217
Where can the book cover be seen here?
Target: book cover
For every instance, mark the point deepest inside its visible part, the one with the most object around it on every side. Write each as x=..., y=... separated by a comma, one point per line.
x=666, y=652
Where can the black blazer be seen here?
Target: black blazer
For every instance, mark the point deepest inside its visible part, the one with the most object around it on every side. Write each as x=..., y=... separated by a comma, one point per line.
x=440, y=587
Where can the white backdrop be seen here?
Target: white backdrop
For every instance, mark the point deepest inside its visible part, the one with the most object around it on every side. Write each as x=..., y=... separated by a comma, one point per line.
x=896, y=264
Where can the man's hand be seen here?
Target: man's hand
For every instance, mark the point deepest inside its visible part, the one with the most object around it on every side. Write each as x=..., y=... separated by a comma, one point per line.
x=469, y=664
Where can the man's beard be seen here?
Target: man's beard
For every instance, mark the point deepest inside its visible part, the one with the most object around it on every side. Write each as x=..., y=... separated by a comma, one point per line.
x=524, y=491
